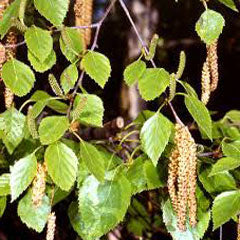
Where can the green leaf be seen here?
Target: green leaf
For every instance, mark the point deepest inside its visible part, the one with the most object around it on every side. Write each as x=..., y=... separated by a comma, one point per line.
x=22, y=174
x=170, y=220
x=153, y=83
x=18, y=77
x=200, y=114
x=51, y=103
x=39, y=42
x=217, y=183
x=3, y=204
x=225, y=164
x=189, y=89
x=225, y=206
x=52, y=129
x=101, y=206
x=93, y=160
x=42, y=66
x=231, y=149
x=5, y=184
x=53, y=10
x=97, y=66
x=62, y=165
x=229, y=3
x=71, y=43
x=68, y=78
x=92, y=113
x=13, y=131
x=210, y=26
x=134, y=71
x=34, y=217
x=143, y=175
x=9, y=13
x=154, y=136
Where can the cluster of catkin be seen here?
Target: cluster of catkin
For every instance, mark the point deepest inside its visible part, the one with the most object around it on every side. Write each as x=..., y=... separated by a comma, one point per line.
x=7, y=53
x=210, y=76
x=39, y=185
x=83, y=17
x=182, y=177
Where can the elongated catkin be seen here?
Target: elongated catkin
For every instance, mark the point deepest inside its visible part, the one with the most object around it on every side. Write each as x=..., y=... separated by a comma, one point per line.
x=83, y=17
x=206, y=83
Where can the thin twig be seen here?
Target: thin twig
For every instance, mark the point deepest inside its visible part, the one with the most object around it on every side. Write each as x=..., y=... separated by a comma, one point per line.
x=14, y=45
x=144, y=45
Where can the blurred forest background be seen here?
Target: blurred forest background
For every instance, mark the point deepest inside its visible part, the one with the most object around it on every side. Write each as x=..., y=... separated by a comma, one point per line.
x=174, y=22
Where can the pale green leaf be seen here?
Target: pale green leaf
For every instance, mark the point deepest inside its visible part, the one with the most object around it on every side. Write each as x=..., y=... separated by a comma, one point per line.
x=196, y=233
x=225, y=206
x=210, y=26
x=71, y=43
x=39, y=42
x=101, y=206
x=92, y=113
x=225, y=164
x=18, y=77
x=52, y=129
x=134, y=71
x=93, y=160
x=5, y=184
x=97, y=66
x=231, y=149
x=68, y=78
x=200, y=114
x=22, y=174
x=34, y=217
x=53, y=10
x=153, y=83
x=42, y=66
x=9, y=13
x=62, y=165
x=3, y=204
x=13, y=131
x=155, y=135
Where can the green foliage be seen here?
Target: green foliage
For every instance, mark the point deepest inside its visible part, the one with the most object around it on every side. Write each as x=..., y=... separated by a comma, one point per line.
x=11, y=12
x=22, y=174
x=97, y=66
x=231, y=149
x=200, y=114
x=229, y=3
x=18, y=77
x=227, y=203
x=3, y=204
x=68, y=78
x=62, y=165
x=92, y=158
x=210, y=26
x=55, y=15
x=134, y=71
x=101, y=206
x=155, y=135
x=34, y=217
x=153, y=83
x=92, y=112
x=52, y=129
x=196, y=233
x=5, y=184
x=39, y=42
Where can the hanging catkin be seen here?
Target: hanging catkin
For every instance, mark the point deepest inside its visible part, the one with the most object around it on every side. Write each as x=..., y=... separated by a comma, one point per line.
x=238, y=228
x=212, y=58
x=182, y=177
x=39, y=185
x=83, y=17
x=51, y=225
x=206, y=83
x=31, y=123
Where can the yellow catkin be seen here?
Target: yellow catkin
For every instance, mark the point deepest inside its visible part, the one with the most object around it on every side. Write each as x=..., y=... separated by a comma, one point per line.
x=182, y=177
x=2, y=59
x=206, y=83
x=238, y=228
x=212, y=57
x=3, y=5
x=39, y=185
x=51, y=225
x=83, y=13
